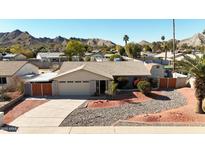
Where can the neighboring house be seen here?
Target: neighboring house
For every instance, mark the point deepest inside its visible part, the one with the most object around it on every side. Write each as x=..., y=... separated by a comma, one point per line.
x=88, y=78
x=156, y=70
x=51, y=56
x=170, y=56
x=181, y=57
x=95, y=56
x=11, y=70
x=10, y=57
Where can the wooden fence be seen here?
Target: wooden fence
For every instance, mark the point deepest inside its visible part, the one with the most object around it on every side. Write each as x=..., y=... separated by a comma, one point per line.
x=167, y=82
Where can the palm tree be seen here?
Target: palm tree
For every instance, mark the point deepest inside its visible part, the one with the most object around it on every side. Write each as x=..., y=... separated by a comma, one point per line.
x=126, y=39
x=196, y=68
x=173, y=26
x=204, y=34
x=164, y=46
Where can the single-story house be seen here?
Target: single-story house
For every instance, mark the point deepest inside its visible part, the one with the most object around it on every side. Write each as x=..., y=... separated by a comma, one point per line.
x=156, y=70
x=11, y=56
x=181, y=57
x=170, y=55
x=96, y=56
x=87, y=78
x=11, y=70
x=51, y=56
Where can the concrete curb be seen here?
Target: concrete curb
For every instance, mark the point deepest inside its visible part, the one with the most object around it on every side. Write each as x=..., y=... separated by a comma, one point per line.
x=110, y=130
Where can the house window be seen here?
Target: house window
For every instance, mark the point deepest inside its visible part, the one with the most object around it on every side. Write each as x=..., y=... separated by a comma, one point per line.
x=85, y=81
x=157, y=66
x=3, y=80
x=69, y=81
x=62, y=81
x=77, y=81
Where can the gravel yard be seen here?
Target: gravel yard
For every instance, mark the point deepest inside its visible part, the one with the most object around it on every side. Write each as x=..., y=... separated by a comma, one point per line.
x=83, y=116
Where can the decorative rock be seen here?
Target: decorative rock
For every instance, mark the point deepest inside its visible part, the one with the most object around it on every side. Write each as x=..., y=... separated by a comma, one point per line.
x=108, y=116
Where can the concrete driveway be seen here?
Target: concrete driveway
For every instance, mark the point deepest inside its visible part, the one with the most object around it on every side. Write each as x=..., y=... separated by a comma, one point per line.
x=49, y=114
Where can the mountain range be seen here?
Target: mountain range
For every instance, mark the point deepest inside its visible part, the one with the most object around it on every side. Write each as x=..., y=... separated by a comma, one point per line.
x=194, y=41
x=28, y=41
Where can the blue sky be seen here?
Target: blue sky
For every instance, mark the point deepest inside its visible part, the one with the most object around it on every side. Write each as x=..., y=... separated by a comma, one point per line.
x=137, y=30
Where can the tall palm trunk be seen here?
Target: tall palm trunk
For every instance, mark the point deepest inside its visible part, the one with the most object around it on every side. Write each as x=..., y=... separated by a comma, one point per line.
x=200, y=94
x=165, y=51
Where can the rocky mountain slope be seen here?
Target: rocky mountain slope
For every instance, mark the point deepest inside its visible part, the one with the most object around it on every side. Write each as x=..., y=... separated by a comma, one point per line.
x=196, y=40
x=26, y=40
x=143, y=42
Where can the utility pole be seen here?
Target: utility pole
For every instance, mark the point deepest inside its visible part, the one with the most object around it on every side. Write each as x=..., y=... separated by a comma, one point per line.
x=174, y=67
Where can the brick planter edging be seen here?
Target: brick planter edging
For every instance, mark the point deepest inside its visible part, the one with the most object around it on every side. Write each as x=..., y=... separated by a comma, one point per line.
x=11, y=103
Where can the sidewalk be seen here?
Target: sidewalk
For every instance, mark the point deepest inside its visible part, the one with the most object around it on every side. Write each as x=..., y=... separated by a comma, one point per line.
x=109, y=130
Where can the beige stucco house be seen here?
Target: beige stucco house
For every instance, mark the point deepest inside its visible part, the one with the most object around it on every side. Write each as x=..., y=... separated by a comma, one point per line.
x=86, y=78
x=14, y=57
x=11, y=70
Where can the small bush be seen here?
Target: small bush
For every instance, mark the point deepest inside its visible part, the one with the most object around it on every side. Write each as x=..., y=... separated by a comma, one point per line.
x=5, y=97
x=114, y=56
x=112, y=88
x=87, y=58
x=144, y=87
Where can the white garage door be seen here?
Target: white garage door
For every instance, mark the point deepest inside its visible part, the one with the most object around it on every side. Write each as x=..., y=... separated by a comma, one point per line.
x=74, y=88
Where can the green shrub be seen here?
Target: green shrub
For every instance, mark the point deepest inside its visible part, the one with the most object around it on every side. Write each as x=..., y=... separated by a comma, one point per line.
x=144, y=87
x=20, y=87
x=112, y=88
x=5, y=97
x=114, y=56
x=87, y=58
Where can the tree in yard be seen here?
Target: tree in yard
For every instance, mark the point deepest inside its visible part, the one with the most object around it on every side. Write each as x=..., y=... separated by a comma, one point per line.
x=120, y=49
x=18, y=49
x=144, y=87
x=146, y=48
x=156, y=46
x=164, y=47
x=196, y=68
x=203, y=32
x=75, y=48
x=133, y=50
x=126, y=39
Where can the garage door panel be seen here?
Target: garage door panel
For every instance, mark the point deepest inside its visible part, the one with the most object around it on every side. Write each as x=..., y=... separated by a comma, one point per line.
x=36, y=89
x=74, y=88
x=47, y=89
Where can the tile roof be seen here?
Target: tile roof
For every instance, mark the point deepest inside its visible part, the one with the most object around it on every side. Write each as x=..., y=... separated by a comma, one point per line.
x=128, y=68
x=9, y=68
x=50, y=54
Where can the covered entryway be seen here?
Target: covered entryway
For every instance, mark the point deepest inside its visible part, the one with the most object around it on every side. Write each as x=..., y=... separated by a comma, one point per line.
x=73, y=88
x=41, y=89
